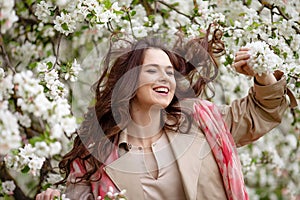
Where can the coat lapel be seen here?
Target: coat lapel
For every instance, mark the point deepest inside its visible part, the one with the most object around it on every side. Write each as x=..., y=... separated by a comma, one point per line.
x=124, y=172
x=189, y=150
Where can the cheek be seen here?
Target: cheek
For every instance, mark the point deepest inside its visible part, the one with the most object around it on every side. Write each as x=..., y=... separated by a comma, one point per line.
x=144, y=80
x=173, y=84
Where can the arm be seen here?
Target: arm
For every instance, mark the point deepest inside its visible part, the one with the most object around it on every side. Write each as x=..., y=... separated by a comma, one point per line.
x=251, y=117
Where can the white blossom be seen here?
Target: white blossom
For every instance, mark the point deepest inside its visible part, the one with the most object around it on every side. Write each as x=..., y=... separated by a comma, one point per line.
x=42, y=149
x=6, y=87
x=73, y=72
x=1, y=73
x=263, y=59
x=43, y=11
x=9, y=129
x=65, y=23
x=55, y=148
x=35, y=164
x=7, y=15
x=8, y=187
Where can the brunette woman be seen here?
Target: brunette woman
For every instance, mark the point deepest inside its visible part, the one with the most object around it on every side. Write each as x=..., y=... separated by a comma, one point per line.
x=151, y=134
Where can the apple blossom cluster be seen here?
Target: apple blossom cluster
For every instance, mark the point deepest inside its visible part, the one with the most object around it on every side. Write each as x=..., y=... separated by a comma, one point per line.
x=262, y=58
x=274, y=156
x=7, y=188
x=36, y=104
x=9, y=129
x=111, y=195
x=75, y=12
x=7, y=15
x=25, y=160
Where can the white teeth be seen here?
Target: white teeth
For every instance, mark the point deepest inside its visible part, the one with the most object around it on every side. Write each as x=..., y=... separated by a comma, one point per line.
x=165, y=90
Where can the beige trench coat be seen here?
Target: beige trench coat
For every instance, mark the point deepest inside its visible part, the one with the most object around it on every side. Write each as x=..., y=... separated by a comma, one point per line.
x=248, y=119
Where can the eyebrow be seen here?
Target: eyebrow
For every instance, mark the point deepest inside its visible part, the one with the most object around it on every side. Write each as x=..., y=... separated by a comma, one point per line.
x=156, y=65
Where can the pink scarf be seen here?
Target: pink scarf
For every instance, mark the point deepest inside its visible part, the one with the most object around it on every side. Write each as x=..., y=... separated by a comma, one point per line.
x=221, y=142
x=223, y=147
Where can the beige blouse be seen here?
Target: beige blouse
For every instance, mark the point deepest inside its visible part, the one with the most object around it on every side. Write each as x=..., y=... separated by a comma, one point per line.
x=168, y=173
x=195, y=172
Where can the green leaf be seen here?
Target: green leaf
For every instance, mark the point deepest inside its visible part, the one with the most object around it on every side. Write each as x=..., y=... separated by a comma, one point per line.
x=276, y=50
x=118, y=12
x=49, y=65
x=248, y=3
x=63, y=68
x=231, y=21
x=25, y=170
x=107, y=4
x=175, y=4
x=46, y=186
x=35, y=139
x=32, y=66
x=132, y=13
x=285, y=55
x=15, y=152
x=29, y=2
x=65, y=26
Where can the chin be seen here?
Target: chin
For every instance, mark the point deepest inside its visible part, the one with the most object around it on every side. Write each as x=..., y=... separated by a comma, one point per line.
x=162, y=105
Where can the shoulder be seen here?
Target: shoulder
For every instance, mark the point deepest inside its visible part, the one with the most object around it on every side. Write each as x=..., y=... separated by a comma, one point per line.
x=191, y=103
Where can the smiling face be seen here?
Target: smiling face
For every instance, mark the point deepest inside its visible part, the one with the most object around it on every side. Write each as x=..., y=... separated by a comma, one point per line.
x=156, y=80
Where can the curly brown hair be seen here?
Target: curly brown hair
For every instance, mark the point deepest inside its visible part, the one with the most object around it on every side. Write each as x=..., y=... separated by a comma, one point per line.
x=194, y=60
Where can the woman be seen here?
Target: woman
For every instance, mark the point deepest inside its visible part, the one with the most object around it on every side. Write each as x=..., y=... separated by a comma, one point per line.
x=148, y=132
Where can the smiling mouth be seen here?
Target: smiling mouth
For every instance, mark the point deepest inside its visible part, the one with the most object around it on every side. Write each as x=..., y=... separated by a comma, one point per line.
x=161, y=90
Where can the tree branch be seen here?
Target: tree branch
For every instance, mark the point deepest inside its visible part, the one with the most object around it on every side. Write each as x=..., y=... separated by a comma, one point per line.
x=5, y=176
x=7, y=62
x=176, y=10
x=57, y=50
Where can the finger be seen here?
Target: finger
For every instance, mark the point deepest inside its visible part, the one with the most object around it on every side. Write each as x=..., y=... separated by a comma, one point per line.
x=244, y=49
x=242, y=52
x=55, y=193
x=47, y=194
x=38, y=197
x=239, y=64
x=241, y=57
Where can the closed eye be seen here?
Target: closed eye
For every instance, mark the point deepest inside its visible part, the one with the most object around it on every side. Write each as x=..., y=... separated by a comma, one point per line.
x=151, y=71
x=170, y=73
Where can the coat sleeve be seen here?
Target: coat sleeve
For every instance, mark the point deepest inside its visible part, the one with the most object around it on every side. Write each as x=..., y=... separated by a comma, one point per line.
x=78, y=190
x=253, y=116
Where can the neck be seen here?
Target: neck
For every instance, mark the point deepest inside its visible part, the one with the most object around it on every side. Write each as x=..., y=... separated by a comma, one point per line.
x=145, y=127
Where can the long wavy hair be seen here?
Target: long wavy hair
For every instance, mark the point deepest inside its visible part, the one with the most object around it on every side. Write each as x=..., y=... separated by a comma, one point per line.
x=98, y=134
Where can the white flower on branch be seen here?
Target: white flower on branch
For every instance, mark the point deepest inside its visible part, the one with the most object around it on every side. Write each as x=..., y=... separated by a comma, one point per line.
x=263, y=59
x=43, y=11
x=73, y=71
x=8, y=187
x=65, y=23
x=6, y=87
x=7, y=15
x=9, y=129
x=1, y=73
x=35, y=164
x=42, y=149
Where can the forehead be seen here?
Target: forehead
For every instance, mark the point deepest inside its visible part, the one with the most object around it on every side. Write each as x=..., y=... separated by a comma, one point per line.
x=156, y=56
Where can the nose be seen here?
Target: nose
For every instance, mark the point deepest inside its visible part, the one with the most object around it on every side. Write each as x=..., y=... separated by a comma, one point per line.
x=163, y=77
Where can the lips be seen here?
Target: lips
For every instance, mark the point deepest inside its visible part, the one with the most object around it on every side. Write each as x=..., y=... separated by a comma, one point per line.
x=161, y=90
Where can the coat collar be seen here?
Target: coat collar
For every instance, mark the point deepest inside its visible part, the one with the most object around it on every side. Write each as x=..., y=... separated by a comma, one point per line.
x=188, y=150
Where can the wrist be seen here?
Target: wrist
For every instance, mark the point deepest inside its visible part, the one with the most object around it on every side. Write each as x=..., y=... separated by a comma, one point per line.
x=265, y=79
